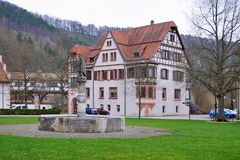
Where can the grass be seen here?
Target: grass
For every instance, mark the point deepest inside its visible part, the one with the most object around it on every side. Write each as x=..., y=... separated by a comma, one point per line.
x=190, y=140
x=17, y=120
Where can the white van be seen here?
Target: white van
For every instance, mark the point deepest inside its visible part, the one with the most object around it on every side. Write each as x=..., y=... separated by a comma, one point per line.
x=18, y=106
x=31, y=106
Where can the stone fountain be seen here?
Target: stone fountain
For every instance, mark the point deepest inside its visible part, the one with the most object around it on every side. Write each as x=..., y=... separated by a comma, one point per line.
x=77, y=121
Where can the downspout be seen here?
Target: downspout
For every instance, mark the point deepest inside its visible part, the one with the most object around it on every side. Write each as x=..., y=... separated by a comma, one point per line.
x=3, y=95
x=93, y=88
x=125, y=90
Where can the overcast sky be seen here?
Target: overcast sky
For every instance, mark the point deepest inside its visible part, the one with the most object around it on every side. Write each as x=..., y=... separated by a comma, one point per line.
x=121, y=13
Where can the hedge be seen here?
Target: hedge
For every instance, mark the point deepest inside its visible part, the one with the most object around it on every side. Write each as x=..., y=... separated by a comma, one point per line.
x=28, y=111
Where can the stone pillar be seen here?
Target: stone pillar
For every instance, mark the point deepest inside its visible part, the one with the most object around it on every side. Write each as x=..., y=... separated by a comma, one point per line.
x=81, y=98
x=72, y=94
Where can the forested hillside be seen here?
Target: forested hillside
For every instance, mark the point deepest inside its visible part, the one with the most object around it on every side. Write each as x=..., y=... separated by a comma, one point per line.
x=26, y=34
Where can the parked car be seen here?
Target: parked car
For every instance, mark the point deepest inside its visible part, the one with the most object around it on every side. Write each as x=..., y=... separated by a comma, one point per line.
x=91, y=111
x=228, y=113
x=101, y=111
x=96, y=111
x=235, y=111
x=19, y=107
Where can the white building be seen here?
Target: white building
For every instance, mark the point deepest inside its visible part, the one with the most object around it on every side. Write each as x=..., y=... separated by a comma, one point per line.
x=4, y=86
x=149, y=57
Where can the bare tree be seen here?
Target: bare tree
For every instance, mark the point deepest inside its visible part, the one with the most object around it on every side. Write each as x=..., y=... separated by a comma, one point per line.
x=25, y=66
x=217, y=58
x=62, y=76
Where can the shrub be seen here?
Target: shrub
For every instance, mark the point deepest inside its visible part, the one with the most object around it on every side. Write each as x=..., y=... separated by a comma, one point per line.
x=28, y=111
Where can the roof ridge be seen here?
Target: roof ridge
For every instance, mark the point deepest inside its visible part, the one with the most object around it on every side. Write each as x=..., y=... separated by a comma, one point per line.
x=145, y=26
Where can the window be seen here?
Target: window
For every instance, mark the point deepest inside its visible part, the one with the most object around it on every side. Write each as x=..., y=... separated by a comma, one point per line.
x=121, y=74
x=172, y=38
x=113, y=74
x=109, y=43
x=143, y=72
x=91, y=59
x=130, y=72
x=109, y=107
x=163, y=109
x=96, y=75
x=89, y=75
x=136, y=54
x=164, y=74
x=104, y=75
x=101, y=92
x=177, y=57
x=113, y=93
x=177, y=94
x=164, y=93
x=165, y=54
x=104, y=57
x=87, y=92
x=151, y=72
x=176, y=109
x=146, y=92
x=178, y=76
x=143, y=92
x=150, y=92
x=113, y=56
x=118, y=108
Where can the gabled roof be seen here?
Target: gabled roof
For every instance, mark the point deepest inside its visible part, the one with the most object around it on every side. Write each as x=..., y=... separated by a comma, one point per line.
x=3, y=73
x=89, y=52
x=145, y=40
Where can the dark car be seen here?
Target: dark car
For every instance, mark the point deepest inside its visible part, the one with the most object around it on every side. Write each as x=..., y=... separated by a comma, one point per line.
x=227, y=113
x=101, y=111
x=95, y=111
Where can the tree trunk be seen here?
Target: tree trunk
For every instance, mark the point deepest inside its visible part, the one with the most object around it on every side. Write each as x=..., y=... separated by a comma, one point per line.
x=62, y=104
x=220, y=116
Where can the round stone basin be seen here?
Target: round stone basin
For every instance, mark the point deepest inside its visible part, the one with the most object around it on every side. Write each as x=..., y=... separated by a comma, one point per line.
x=85, y=124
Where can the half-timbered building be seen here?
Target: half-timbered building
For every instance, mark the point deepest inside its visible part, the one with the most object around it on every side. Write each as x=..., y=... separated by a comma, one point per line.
x=141, y=67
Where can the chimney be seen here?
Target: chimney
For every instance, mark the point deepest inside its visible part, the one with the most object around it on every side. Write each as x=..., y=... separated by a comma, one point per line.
x=152, y=22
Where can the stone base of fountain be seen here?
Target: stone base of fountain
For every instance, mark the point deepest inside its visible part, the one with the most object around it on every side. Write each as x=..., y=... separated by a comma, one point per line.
x=85, y=124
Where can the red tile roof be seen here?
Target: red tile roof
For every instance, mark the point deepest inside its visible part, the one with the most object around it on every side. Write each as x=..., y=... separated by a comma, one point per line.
x=3, y=74
x=145, y=40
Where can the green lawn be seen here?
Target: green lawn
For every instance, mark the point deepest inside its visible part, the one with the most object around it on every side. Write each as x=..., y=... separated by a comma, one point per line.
x=18, y=120
x=190, y=140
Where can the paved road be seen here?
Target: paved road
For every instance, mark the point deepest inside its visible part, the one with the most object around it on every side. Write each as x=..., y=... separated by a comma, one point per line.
x=192, y=117
x=204, y=117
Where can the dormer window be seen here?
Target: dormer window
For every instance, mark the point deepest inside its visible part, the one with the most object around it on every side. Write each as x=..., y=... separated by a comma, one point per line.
x=172, y=38
x=91, y=59
x=136, y=54
x=109, y=43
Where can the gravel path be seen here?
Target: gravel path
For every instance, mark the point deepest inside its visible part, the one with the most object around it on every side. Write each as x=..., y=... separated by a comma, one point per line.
x=31, y=130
